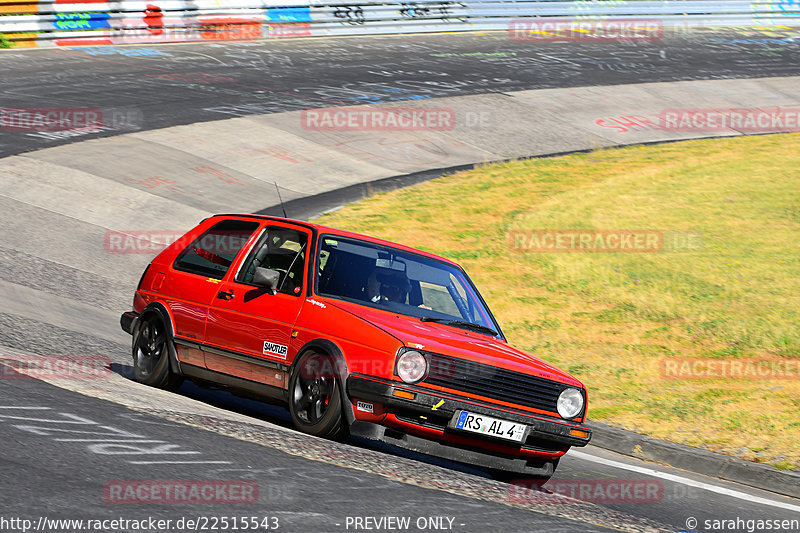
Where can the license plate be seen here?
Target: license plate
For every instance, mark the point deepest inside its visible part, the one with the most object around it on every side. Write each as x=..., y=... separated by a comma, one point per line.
x=487, y=425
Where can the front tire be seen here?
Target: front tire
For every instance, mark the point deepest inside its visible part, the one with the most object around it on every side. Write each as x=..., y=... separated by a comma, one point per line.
x=315, y=400
x=151, y=352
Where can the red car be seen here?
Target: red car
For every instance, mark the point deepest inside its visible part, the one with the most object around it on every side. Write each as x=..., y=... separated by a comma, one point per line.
x=355, y=335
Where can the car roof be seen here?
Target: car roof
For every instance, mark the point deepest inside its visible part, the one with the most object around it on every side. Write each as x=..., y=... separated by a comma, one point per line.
x=343, y=233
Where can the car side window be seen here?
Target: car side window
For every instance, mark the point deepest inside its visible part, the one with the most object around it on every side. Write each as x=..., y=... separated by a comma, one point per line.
x=283, y=250
x=212, y=253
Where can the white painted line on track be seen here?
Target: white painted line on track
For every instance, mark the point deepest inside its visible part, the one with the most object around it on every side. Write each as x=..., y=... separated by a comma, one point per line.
x=685, y=481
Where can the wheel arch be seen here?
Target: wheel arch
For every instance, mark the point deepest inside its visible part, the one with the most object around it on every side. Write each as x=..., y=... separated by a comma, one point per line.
x=162, y=311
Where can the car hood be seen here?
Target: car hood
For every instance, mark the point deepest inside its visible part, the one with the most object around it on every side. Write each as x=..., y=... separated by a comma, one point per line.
x=456, y=342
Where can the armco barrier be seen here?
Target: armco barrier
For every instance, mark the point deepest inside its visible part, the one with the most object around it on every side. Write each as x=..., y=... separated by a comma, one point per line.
x=94, y=22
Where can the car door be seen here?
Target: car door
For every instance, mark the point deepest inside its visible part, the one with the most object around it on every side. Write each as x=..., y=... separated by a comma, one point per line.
x=249, y=329
x=193, y=281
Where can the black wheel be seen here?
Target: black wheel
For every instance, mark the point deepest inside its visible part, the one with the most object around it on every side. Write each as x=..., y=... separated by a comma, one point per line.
x=151, y=352
x=315, y=401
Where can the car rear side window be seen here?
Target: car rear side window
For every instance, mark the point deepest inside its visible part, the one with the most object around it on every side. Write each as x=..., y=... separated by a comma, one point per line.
x=212, y=253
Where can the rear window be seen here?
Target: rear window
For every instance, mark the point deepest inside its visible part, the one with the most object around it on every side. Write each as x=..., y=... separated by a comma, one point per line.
x=212, y=253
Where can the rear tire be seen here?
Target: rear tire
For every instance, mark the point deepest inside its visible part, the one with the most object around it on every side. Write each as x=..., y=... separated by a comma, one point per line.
x=152, y=349
x=315, y=400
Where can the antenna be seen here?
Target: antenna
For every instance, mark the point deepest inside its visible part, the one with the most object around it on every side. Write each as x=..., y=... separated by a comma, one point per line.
x=281, y=199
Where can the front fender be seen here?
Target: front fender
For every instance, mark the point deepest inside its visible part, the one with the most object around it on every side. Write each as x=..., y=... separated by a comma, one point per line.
x=339, y=369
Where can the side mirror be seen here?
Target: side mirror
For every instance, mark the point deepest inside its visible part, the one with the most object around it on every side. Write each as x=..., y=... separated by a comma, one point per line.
x=267, y=278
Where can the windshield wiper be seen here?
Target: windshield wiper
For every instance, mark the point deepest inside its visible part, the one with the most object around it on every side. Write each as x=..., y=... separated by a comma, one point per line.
x=460, y=324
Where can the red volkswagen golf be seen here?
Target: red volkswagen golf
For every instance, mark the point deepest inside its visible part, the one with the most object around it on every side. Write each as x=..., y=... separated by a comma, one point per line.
x=354, y=335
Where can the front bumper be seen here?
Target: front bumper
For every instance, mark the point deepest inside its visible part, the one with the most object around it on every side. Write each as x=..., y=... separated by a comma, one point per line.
x=432, y=412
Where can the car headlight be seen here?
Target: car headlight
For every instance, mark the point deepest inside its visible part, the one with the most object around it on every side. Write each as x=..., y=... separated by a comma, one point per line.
x=412, y=366
x=570, y=403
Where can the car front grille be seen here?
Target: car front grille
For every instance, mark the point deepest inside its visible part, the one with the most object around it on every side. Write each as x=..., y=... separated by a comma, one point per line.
x=495, y=383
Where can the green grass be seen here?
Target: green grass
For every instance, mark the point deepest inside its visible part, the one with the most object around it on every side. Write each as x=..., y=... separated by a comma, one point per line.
x=612, y=318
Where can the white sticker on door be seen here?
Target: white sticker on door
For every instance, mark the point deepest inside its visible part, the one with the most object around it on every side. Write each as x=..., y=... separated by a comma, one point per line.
x=364, y=406
x=270, y=348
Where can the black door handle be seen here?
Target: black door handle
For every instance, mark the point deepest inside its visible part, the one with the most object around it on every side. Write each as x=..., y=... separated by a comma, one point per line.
x=225, y=295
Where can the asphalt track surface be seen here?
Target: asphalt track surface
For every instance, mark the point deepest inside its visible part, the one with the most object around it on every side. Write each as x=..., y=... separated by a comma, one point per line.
x=61, y=451
x=312, y=485
x=167, y=85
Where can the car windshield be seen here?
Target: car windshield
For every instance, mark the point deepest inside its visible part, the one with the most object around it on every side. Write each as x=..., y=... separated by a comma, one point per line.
x=401, y=282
